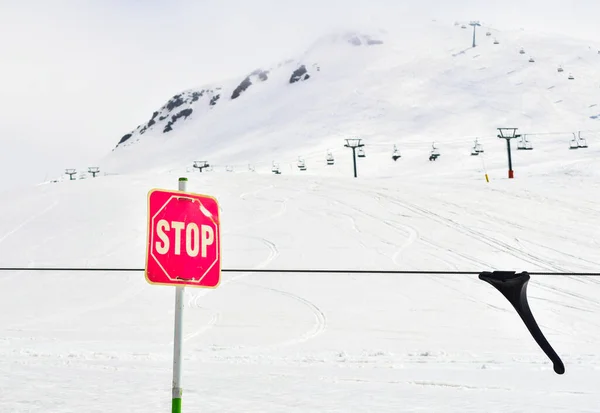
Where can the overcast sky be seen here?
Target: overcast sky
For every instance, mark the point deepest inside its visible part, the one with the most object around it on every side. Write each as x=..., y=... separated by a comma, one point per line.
x=75, y=75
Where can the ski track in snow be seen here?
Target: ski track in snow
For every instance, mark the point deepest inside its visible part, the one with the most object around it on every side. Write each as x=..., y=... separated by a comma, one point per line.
x=214, y=320
x=319, y=326
x=27, y=221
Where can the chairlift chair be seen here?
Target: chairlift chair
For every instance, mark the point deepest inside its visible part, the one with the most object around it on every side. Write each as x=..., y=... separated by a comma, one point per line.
x=488, y=33
x=463, y=27
x=361, y=153
x=478, y=147
x=435, y=152
x=301, y=164
x=525, y=144
x=395, y=154
x=251, y=168
x=474, y=151
x=496, y=41
x=560, y=69
x=573, y=143
x=531, y=60
x=571, y=77
x=276, y=169
x=330, y=159
x=522, y=51
x=581, y=142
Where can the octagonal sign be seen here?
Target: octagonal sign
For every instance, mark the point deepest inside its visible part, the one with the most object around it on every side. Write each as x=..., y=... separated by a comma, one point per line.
x=183, y=240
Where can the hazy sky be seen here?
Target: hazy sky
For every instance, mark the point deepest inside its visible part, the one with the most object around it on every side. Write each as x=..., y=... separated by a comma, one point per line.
x=75, y=75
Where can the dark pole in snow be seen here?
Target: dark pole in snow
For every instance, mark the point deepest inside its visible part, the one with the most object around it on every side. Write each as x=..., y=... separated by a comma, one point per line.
x=474, y=24
x=508, y=134
x=354, y=143
x=510, y=169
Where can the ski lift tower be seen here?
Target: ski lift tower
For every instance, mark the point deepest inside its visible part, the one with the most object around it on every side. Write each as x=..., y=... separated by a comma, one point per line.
x=508, y=134
x=354, y=143
x=474, y=24
x=200, y=165
x=71, y=173
x=94, y=170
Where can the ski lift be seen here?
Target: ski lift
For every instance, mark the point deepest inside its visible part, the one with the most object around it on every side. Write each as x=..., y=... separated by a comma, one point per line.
x=435, y=152
x=477, y=148
x=330, y=160
x=571, y=77
x=276, y=169
x=582, y=143
x=522, y=51
x=301, y=164
x=524, y=144
x=574, y=144
x=251, y=168
x=229, y=168
x=496, y=41
x=531, y=60
x=361, y=153
x=395, y=154
x=488, y=33
x=560, y=69
x=463, y=27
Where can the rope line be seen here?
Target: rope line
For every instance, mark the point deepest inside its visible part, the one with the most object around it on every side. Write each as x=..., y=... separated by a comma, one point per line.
x=295, y=271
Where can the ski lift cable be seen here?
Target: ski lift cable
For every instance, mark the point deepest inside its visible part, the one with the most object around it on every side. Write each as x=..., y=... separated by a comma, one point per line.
x=294, y=271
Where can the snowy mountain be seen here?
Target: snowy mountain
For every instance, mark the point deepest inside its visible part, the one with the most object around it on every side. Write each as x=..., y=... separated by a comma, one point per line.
x=90, y=341
x=386, y=88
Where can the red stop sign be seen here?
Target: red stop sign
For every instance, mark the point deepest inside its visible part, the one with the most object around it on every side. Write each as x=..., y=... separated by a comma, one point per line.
x=183, y=243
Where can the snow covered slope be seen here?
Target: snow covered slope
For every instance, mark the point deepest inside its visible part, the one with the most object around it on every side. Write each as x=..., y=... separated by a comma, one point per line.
x=336, y=343
x=96, y=342
x=423, y=83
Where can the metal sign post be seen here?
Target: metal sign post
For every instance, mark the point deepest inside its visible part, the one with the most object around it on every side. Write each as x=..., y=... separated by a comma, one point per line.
x=178, y=336
x=183, y=249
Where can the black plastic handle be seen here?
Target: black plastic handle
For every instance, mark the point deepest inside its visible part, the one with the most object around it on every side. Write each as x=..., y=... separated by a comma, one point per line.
x=514, y=287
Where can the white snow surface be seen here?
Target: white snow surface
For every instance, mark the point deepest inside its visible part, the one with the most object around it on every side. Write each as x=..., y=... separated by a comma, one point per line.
x=103, y=342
